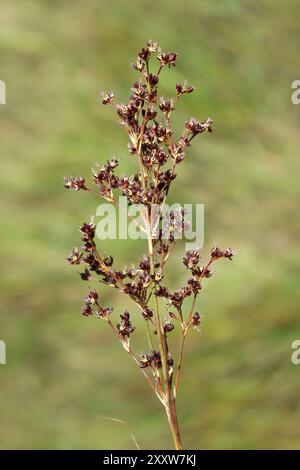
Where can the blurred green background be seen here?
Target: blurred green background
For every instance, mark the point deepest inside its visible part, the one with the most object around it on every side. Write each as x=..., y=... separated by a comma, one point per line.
x=64, y=372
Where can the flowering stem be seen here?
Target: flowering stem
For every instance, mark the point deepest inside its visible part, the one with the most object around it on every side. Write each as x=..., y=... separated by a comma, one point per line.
x=151, y=140
x=170, y=405
x=173, y=421
x=169, y=402
x=182, y=343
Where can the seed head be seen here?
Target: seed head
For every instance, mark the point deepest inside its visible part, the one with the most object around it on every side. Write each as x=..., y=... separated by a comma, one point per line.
x=75, y=183
x=167, y=59
x=196, y=319
x=74, y=257
x=125, y=327
x=191, y=259
x=107, y=98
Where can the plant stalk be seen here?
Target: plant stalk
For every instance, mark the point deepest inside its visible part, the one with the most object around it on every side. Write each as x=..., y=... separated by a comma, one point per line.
x=169, y=400
x=170, y=404
x=173, y=421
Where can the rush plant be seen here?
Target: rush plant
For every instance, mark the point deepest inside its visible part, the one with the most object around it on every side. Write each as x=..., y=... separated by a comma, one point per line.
x=147, y=121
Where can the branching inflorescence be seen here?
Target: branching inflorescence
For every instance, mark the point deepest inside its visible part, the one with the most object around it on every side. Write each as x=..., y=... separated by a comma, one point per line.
x=147, y=121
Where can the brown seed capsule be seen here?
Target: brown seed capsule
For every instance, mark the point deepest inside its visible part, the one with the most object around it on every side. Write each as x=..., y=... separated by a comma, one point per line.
x=196, y=319
x=107, y=98
x=75, y=183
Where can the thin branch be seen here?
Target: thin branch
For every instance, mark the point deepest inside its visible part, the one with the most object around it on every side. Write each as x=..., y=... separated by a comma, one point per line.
x=128, y=349
x=180, y=359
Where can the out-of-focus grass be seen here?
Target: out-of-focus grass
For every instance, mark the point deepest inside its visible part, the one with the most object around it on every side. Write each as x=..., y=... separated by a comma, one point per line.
x=239, y=388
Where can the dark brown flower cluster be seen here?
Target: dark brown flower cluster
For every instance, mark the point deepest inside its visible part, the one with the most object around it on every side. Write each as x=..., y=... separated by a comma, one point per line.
x=150, y=135
x=193, y=285
x=91, y=306
x=75, y=183
x=153, y=359
x=105, y=179
x=217, y=253
x=125, y=327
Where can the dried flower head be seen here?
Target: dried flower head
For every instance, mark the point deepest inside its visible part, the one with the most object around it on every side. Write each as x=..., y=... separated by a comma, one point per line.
x=107, y=98
x=183, y=88
x=74, y=257
x=167, y=59
x=75, y=183
x=125, y=327
x=196, y=319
